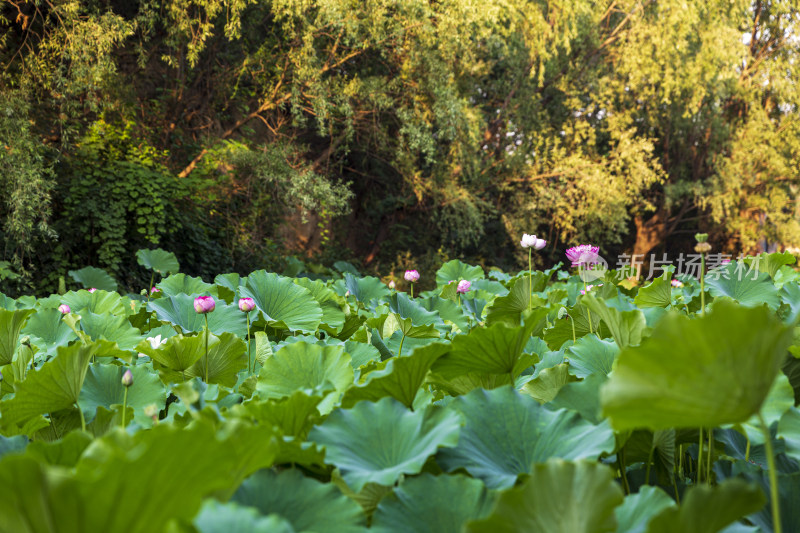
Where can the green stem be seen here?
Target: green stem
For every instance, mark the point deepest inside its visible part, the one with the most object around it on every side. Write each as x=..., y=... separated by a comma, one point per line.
x=702, y=284
x=675, y=487
x=680, y=460
x=150, y=287
x=622, y=473
x=708, y=462
x=530, y=280
x=773, y=477
x=249, y=371
x=747, y=450
x=402, y=340
x=699, y=472
x=588, y=313
x=206, y=315
x=412, y=290
x=83, y=419
x=124, y=407
x=649, y=462
x=574, y=339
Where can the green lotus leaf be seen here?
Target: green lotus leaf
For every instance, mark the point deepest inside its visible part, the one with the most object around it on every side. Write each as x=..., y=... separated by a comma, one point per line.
x=99, y=302
x=547, y=384
x=790, y=295
x=305, y=503
x=294, y=415
x=735, y=280
x=103, y=386
x=562, y=331
x=658, y=447
x=378, y=442
x=789, y=431
x=455, y=270
x=506, y=432
x=314, y=369
x=11, y=323
x=465, y=383
x=179, y=310
x=559, y=497
x=179, y=353
x=638, y=509
x=48, y=331
x=365, y=289
x=510, y=308
x=591, y=355
x=226, y=358
x=53, y=387
x=361, y=353
x=158, y=260
x=407, y=310
x=332, y=313
x=626, y=327
x=228, y=286
x=658, y=293
x=448, y=311
x=113, y=328
x=216, y=517
x=432, y=504
x=788, y=494
x=401, y=378
x=91, y=277
x=284, y=304
x=183, y=284
x=707, y=509
x=771, y=263
x=498, y=349
x=719, y=370
x=63, y=452
x=778, y=401
x=582, y=397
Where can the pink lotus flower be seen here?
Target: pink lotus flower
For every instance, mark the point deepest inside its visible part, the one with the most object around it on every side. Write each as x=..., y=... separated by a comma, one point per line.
x=411, y=276
x=392, y=284
x=92, y=290
x=463, y=286
x=154, y=290
x=246, y=304
x=587, y=289
x=540, y=243
x=676, y=283
x=584, y=254
x=64, y=308
x=204, y=304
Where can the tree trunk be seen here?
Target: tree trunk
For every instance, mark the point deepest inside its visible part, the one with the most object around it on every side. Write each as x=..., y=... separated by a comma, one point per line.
x=649, y=233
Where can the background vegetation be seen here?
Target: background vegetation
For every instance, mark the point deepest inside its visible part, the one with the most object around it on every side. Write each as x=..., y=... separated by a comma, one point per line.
x=239, y=132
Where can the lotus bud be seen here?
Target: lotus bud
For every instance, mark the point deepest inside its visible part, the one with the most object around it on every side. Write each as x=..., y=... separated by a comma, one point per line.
x=412, y=276
x=562, y=313
x=540, y=243
x=528, y=241
x=392, y=284
x=463, y=286
x=25, y=341
x=347, y=293
x=127, y=378
x=151, y=411
x=64, y=308
x=154, y=290
x=246, y=304
x=676, y=283
x=204, y=304
x=92, y=290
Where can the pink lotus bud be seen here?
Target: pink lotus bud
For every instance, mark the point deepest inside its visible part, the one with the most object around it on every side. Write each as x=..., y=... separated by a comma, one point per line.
x=463, y=286
x=347, y=293
x=127, y=378
x=92, y=290
x=676, y=283
x=540, y=243
x=528, y=241
x=392, y=284
x=411, y=276
x=246, y=304
x=64, y=308
x=154, y=290
x=588, y=289
x=204, y=304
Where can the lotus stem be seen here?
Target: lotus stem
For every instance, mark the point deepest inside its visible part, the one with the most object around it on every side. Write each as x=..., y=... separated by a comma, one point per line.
x=402, y=340
x=530, y=279
x=710, y=447
x=124, y=407
x=649, y=462
x=412, y=291
x=574, y=339
x=249, y=371
x=699, y=472
x=622, y=473
x=83, y=418
x=747, y=449
x=773, y=477
x=150, y=286
x=206, y=315
x=702, y=284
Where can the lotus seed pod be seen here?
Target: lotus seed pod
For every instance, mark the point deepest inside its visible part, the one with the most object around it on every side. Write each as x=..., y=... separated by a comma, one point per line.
x=702, y=247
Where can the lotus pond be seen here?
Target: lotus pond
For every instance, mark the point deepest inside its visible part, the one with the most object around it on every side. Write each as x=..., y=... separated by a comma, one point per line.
x=333, y=403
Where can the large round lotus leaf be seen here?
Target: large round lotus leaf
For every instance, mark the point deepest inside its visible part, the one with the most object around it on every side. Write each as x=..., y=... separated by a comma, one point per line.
x=11, y=323
x=158, y=260
x=718, y=370
x=91, y=277
x=591, y=355
x=103, y=386
x=455, y=270
x=179, y=353
x=506, y=432
x=378, y=442
x=494, y=350
x=293, y=415
x=627, y=327
x=99, y=302
x=114, y=328
x=432, y=504
x=510, y=308
x=559, y=497
x=400, y=379
x=311, y=368
x=582, y=397
x=48, y=331
x=789, y=431
x=405, y=308
x=707, y=509
x=658, y=293
x=305, y=503
x=365, y=289
x=447, y=311
x=547, y=384
x=737, y=281
x=638, y=509
x=183, y=284
x=216, y=517
x=562, y=330
x=179, y=310
x=226, y=358
x=332, y=314
x=283, y=303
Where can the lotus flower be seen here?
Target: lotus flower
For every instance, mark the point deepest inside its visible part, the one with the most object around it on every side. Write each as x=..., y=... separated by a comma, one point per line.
x=92, y=290
x=528, y=241
x=204, y=304
x=246, y=304
x=127, y=378
x=676, y=283
x=156, y=341
x=411, y=276
x=64, y=308
x=587, y=289
x=584, y=254
x=540, y=243
x=154, y=290
x=463, y=286
x=392, y=284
